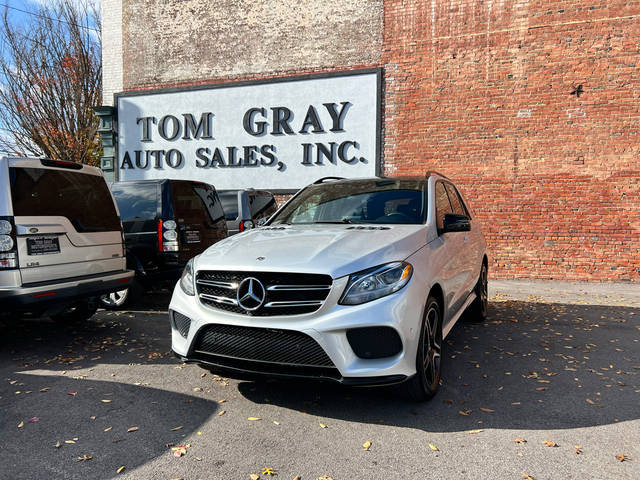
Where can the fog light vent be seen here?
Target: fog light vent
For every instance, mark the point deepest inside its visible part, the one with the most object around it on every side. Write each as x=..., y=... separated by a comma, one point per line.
x=181, y=323
x=374, y=342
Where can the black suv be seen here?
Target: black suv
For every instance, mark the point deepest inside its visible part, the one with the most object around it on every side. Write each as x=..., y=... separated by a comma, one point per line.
x=245, y=209
x=165, y=222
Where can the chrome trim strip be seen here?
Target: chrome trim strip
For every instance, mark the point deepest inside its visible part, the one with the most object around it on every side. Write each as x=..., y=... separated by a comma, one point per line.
x=298, y=287
x=295, y=303
x=213, y=283
x=225, y=300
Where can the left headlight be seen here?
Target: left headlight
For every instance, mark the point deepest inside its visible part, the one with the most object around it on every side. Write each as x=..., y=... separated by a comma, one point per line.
x=186, y=281
x=376, y=282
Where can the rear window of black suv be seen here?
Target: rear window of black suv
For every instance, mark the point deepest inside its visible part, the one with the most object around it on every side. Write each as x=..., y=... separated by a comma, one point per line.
x=82, y=198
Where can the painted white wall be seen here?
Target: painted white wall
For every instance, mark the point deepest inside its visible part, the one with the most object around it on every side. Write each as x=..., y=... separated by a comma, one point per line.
x=111, y=49
x=228, y=105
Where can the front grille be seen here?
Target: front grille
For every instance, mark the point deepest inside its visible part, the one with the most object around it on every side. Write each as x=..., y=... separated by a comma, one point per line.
x=264, y=345
x=181, y=323
x=284, y=293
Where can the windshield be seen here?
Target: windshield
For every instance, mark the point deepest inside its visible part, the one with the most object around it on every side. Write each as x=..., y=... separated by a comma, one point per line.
x=358, y=201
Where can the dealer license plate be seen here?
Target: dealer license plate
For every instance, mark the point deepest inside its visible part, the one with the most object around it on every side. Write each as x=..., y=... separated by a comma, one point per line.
x=192, y=236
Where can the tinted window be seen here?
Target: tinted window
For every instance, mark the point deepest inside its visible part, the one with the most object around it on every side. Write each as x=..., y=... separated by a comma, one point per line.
x=456, y=203
x=196, y=202
x=210, y=201
x=261, y=205
x=229, y=202
x=136, y=201
x=361, y=201
x=82, y=198
x=442, y=205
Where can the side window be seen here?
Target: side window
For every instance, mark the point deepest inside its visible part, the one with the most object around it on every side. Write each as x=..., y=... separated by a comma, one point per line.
x=442, y=205
x=456, y=202
x=261, y=205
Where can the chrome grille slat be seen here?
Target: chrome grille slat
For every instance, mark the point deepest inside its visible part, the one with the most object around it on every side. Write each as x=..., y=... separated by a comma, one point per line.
x=285, y=293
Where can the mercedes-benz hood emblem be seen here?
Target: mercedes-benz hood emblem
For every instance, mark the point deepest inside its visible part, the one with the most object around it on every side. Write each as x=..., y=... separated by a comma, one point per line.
x=251, y=294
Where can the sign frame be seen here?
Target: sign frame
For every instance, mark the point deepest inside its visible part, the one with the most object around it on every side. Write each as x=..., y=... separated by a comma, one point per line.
x=378, y=71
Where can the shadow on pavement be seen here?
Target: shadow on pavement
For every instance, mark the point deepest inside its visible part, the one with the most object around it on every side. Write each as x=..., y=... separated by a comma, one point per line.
x=530, y=366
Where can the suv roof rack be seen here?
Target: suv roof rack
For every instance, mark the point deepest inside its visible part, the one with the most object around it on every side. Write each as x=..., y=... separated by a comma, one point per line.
x=323, y=179
x=433, y=172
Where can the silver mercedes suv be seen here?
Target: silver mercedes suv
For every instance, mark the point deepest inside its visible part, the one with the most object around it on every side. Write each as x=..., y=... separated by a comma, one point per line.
x=61, y=243
x=357, y=281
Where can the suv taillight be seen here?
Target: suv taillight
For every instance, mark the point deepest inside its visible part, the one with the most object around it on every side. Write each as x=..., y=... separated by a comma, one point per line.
x=167, y=236
x=8, y=244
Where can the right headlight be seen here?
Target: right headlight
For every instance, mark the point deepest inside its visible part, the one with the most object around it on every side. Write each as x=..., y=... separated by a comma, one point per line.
x=376, y=282
x=187, y=279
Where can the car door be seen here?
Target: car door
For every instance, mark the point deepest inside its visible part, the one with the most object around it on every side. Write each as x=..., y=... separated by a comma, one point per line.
x=470, y=264
x=452, y=242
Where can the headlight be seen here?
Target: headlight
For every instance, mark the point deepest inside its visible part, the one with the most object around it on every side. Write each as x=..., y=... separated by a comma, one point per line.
x=186, y=281
x=6, y=243
x=376, y=282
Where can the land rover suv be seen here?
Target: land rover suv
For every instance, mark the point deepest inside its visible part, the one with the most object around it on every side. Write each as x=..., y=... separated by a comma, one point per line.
x=61, y=243
x=166, y=222
x=357, y=281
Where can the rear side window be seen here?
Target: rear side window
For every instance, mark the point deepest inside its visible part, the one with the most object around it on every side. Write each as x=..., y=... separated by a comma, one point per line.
x=456, y=202
x=229, y=202
x=261, y=205
x=82, y=198
x=136, y=201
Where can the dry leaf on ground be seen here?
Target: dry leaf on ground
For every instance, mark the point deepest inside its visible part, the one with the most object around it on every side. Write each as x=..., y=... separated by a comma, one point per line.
x=520, y=440
x=268, y=471
x=221, y=412
x=121, y=469
x=366, y=445
x=478, y=430
x=174, y=429
x=487, y=410
x=84, y=458
x=621, y=457
x=253, y=419
x=254, y=476
x=549, y=443
x=179, y=451
x=433, y=447
x=322, y=425
x=132, y=429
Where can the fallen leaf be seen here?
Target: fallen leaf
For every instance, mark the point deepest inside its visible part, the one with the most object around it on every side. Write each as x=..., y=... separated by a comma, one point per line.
x=322, y=425
x=254, y=418
x=179, y=451
x=520, y=440
x=433, y=447
x=105, y=401
x=221, y=412
x=541, y=389
x=268, y=471
x=132, y=429
x=73, y=394
x=108, y=429
x=527, y=477
x=69, y=441
x=549, y=443
x=203, y=374
x=174, y=429
x=120, y=469
x=323, y=477
x=198, y=459
x=58, y=444
x=253, y=476
x=276, y=422
x=487, y=410
x=45, y=389
x=578, y=449
x=221, y=401
x=84, y=458
x=475, y=431
x=621, y=457
x=21, y=424
x=465, y=412
x=297, y=477
x=199, y=433
x=366, y=445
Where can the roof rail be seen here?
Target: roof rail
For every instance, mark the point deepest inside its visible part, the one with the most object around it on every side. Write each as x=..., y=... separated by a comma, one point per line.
x=322, y=180
x=433, y=172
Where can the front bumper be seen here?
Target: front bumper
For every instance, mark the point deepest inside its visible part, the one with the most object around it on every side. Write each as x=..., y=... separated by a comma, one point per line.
x=327, y=326
x=45, y=294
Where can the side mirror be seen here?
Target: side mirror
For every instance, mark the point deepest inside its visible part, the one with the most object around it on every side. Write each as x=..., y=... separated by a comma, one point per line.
x=455, y=223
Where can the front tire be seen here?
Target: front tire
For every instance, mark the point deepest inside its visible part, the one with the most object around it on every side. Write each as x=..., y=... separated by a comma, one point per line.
x=424, y=384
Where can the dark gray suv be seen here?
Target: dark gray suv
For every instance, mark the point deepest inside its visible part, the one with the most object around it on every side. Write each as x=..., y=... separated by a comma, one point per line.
x=246, y=209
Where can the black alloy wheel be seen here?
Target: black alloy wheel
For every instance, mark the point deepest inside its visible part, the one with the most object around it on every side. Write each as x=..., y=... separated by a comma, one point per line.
x=424, y=385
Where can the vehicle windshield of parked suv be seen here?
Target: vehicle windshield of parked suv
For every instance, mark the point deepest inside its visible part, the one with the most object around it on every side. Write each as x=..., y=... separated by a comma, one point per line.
x=358, y=201
x=229, y=200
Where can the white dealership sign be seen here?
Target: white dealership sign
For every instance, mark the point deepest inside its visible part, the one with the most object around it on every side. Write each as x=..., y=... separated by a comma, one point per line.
x=279, y=135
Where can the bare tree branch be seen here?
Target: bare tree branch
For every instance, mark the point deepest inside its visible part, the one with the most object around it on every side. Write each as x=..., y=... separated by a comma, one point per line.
x=50, y=77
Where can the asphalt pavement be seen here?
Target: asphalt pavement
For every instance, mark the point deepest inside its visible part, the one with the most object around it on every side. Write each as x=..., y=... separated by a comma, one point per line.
x=548, y=387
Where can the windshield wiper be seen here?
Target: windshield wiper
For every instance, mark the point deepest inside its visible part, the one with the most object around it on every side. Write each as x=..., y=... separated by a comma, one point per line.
x=344, y=220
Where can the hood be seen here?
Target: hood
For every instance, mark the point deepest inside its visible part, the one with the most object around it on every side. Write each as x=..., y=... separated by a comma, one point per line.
x=336, y=250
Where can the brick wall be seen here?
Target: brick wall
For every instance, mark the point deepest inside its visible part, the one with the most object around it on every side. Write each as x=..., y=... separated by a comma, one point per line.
x=480, y=90
x=111, y=49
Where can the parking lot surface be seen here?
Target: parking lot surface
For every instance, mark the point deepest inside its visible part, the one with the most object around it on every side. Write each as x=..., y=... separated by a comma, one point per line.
x=548, y=390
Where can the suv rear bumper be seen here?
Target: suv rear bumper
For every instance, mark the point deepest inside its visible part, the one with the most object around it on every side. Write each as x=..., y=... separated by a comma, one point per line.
x=65, y=291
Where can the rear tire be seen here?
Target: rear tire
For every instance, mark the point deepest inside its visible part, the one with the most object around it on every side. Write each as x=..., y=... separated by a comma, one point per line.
x=77, y=313
x=122, y=298
x=479, y=309
x=424, y=384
